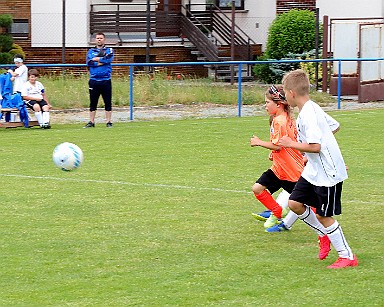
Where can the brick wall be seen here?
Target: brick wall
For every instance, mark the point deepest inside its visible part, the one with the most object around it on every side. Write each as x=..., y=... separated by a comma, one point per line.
x=283, y=6
x=122, y=55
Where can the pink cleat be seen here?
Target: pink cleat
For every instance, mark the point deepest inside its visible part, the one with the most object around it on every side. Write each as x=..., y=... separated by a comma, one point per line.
x=325, y=247
x=343, y=263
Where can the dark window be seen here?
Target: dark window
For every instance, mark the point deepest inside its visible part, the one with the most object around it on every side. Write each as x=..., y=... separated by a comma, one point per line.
x=19, y=28
x=227, y=4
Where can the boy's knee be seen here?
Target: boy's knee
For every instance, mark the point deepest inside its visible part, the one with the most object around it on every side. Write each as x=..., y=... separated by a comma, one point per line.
x=296, y=207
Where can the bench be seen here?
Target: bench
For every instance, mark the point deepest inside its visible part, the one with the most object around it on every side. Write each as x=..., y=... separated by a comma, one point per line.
x=12, y=114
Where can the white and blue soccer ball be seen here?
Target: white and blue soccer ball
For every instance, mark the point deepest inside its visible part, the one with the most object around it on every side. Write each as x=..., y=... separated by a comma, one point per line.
x=67, y=156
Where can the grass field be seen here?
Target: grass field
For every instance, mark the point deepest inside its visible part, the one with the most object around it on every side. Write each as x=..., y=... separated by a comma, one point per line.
x=159, y=214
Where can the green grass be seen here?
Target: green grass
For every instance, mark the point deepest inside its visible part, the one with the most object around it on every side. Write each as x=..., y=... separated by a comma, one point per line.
x=72, y=92
x=159, y=215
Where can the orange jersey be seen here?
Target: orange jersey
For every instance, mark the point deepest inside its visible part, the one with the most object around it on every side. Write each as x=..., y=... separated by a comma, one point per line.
x=288, y=162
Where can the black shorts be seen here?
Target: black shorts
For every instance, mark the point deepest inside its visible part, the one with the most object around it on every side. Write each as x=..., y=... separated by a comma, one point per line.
x=97, y=88
x=30, y=103
x=326, y=200
x=273, y=183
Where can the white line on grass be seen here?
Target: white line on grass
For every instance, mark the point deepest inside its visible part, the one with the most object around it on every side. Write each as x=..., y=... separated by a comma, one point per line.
x=156, y=185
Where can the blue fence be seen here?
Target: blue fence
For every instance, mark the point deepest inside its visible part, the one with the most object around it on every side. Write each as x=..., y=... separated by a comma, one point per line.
x=237, y=63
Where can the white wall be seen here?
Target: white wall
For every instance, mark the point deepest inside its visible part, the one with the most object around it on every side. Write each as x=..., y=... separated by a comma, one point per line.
x=47, y=20
x=351, y=8
x=256, y=19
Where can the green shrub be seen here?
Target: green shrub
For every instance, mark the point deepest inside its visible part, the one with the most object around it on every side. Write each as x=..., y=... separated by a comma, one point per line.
x=6, y=43
x=16, y=49
x=6, y=20
x=291, y=32
x=274, y=72
x=6, y=58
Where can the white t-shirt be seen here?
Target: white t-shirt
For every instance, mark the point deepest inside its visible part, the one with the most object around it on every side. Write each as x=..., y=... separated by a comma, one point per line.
x=21, y=78
x=34, y=91
x=326, y=168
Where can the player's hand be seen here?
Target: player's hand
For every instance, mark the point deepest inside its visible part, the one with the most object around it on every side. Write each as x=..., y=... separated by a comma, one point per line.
x=96, y=59
x=285, y=141
x=255, y=141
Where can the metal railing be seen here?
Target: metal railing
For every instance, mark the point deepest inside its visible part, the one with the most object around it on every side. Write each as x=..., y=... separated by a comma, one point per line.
x=238, y=63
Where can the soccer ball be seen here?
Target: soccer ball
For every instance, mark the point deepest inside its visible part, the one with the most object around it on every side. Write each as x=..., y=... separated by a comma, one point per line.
x=67, y=156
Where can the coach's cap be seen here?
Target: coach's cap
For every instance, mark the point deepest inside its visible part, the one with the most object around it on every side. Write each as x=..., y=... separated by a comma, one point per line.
x=18, y=60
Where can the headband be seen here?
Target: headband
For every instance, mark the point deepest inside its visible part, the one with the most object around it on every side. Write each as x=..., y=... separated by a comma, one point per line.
x=18, y=60
x=275, y=93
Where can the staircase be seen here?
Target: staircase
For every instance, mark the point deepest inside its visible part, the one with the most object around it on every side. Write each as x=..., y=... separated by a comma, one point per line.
x=210, y=32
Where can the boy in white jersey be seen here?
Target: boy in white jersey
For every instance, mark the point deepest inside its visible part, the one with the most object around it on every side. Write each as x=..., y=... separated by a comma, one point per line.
x=33, y=93
x=321, y=182
x=19, y=75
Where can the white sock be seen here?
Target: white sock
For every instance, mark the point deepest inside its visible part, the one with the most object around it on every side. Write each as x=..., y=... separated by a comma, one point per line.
x=309, y=218
x=46, y=117
x=39, y=117
x=336, y=236
x=290, y=219
x=282, y=199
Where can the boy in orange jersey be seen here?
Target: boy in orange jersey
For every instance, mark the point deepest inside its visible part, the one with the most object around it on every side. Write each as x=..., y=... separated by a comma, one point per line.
x=320, y=184
x=287, y=163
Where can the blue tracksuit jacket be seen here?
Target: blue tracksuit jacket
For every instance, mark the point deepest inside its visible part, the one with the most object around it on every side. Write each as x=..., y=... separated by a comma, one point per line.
x=100, y=72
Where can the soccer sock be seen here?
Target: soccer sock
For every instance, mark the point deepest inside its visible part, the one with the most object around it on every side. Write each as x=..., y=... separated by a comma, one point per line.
x=46, y=117
x=309, y=218
x=290, y=219
x=39, y=117
x=282, y=199
x=268, y=201
x=336, y=236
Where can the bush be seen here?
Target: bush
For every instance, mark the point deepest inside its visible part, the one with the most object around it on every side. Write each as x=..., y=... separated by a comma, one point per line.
x=291, y=36
x=6, y=43
x=6, y=20
x=17, y=50
x=6, y=58
x=291, y=32
x=274, y=72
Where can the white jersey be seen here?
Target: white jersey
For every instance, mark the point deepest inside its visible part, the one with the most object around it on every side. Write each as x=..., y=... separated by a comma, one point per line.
x=33, y=90
x=326, y=168
x=21, y=78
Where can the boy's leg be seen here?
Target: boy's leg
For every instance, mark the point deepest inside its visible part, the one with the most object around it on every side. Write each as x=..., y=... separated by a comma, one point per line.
x=331, y=200
x=305, y=214
x=45, y=116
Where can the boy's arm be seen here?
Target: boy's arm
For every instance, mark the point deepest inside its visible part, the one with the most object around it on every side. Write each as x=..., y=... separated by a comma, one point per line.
x=46, y=99
x=287, y=142
x=255, y=141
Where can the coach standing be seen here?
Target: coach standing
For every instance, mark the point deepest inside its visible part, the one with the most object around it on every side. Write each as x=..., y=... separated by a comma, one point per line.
x=99, y=61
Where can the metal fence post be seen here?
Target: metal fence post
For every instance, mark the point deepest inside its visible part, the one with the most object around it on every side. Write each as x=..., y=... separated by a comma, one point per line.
x=239, y=98
x=339, y=87
x=131, y=92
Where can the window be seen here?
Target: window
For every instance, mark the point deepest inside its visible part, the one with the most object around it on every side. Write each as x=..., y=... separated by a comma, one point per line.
x=227, y=4
x=19, y=28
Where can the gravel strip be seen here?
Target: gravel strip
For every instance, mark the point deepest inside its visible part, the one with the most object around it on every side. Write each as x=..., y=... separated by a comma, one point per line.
x=178, y=111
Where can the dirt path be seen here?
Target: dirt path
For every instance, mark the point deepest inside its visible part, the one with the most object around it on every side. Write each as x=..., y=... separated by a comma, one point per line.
x=175, y=112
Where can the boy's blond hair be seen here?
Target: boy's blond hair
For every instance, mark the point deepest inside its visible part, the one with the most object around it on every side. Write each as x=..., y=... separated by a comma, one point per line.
x=298, y=81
